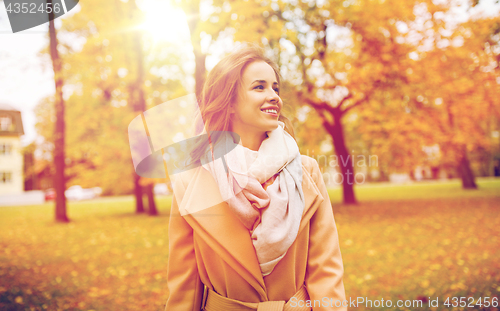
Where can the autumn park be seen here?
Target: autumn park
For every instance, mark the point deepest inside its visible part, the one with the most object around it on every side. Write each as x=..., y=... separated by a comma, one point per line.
x=397, y=101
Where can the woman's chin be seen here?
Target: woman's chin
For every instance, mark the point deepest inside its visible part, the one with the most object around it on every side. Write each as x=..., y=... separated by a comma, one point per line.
x=272, y=127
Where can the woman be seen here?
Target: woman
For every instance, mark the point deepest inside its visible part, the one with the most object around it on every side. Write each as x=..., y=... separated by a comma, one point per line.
x=255, y=231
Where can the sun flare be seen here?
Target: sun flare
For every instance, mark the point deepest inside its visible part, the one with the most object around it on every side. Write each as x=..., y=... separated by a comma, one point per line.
x=164, y=22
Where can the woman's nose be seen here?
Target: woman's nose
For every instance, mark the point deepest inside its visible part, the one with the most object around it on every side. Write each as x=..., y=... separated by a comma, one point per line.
x=273, y=97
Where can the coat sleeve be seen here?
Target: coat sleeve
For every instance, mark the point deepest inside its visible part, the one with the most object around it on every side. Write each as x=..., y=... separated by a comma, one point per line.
x=325, y=269
x=185, y=289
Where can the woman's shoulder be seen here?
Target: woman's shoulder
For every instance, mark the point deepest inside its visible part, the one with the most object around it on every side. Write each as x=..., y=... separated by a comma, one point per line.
x=310, y=164
x=181, y=181
x=312, y=168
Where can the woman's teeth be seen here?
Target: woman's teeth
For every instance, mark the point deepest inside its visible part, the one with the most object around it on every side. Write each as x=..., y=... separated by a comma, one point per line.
x=270, y=111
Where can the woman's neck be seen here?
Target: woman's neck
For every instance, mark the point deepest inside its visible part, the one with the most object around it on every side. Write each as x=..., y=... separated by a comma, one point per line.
x=251, y=140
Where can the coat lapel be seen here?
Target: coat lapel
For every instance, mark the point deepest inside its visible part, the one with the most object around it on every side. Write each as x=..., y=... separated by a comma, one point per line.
x=214, y=222
x=312, y=198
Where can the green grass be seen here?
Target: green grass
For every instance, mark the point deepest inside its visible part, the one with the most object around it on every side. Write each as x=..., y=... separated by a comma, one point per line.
x=487, y=187
x=107, y=258
x=402, y=242
x=415, y=249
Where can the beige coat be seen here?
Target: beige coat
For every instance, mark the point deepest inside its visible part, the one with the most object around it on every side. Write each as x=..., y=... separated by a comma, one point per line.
x=214, y=248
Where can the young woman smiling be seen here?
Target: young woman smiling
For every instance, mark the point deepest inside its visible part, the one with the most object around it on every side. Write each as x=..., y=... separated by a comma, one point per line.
x=256, y=109
x=255, y=231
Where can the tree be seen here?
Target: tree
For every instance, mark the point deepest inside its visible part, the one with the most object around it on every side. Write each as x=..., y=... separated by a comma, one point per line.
x=466, y=98
x=59, y=129
x=192, y=10
x=340, y=56
x=140, y=106
x=137, y=93
x=447, y=99
x=378, y=65
x=106, y=89
x=208, y=28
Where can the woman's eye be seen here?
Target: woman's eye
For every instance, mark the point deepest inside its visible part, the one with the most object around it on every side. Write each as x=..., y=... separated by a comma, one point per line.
x=277, y=90
x=260, y=87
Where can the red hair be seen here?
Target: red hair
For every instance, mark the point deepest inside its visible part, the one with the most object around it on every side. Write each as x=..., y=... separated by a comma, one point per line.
x=223, y=83
x=220, y=91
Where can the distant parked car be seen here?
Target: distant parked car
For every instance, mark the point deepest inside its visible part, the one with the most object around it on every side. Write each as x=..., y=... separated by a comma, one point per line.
x=50, y=194
x=97, y=191
x=77, y=193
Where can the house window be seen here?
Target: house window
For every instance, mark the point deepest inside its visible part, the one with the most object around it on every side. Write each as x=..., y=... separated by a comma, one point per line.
x=5, y=149
x=6, y=123
x=5, y=177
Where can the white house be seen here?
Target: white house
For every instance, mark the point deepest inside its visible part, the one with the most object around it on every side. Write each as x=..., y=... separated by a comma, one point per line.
x=11, y=158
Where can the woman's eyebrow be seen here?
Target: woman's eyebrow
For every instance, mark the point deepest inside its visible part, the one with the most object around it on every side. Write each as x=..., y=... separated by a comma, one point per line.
x=263, y=81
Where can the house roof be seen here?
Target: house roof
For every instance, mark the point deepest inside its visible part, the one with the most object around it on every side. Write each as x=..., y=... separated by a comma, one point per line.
x=4, y=106
x=15, y=116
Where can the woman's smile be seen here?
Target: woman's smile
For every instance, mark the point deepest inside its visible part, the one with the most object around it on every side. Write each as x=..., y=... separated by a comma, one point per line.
x=272, y=111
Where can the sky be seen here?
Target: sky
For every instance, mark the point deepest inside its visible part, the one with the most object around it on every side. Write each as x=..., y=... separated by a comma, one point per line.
x=26, y=77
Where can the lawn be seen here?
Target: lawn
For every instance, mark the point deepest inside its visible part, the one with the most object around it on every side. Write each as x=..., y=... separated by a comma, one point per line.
x=407, y=242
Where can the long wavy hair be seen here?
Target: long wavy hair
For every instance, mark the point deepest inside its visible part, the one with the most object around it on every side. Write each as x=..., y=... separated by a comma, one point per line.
x=220, y=91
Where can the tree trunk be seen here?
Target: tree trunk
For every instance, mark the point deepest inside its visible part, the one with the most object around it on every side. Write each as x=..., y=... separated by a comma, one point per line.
x=200, y=70
x=152, y=210
x=139, y=205
x=193, y=9
x=465, y=172
x=344, y=158
x=383, y=175
x=139, y=106
x=59, y=178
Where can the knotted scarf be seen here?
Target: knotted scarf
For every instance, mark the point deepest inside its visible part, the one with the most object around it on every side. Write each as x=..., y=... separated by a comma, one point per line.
x=272, y=212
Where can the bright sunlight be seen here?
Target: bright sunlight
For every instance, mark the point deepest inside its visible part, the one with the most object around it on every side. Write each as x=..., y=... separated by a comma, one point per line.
x=164, y=22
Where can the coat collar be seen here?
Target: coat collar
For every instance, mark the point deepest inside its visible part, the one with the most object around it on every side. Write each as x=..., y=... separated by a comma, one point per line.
x=215, y=223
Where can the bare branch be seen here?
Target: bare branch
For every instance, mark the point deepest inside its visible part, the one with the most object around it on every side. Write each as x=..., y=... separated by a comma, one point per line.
x=318, y=106
x=320, y=109
x=365, y=98
x=349, y=96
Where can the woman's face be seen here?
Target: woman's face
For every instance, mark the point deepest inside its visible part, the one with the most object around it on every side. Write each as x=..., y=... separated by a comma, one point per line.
x=258, y=105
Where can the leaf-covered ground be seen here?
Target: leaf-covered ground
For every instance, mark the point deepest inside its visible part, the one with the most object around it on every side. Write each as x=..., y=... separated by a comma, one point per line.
x=407, y=242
